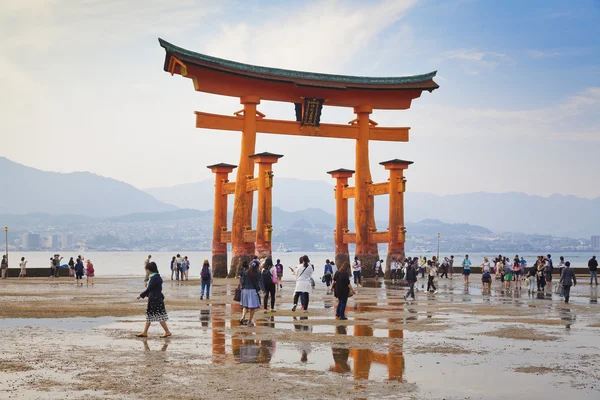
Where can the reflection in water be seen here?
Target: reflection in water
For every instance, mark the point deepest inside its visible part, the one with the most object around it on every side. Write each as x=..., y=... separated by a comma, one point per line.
x=218, y=336
x=340, y=354
x=164, y=347
x=204, y=318
x=568, y=316
x=304, y=348
x=594, y=295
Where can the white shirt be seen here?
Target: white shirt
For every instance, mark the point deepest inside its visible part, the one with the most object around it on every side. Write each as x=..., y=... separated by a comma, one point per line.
x=394, y=265
x=303, y=278
x=357, y=266
x=179, y=260
x=23, y=264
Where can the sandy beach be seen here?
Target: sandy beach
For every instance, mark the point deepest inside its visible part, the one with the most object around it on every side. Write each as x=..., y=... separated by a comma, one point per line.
x=64, y=341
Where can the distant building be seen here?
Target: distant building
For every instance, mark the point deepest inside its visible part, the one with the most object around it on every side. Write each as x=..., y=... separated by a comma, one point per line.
x=595, y=243
x=53, y=242
x=67, y=240
x=30, y=241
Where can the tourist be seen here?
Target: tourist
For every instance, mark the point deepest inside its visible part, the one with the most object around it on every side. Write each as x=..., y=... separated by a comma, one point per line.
x=173, y=266
x=251, y=285
x=541, y=274
x=532, y=277
x=89, y=273
x=23, y=265
x=279, y=268
x=466, y=264
x=411, y=278
x=593, y=267
x=451, y=265
x=155, y=311
x=56, y=261
x=269, y=278
x=394, y=269
x=342, y=289
x=206, y=277
x=561, y=265
x=178, y=263
x=508, y=274
x=255, y=262
x=549, y=268
x=79, y=272
x=51, y=267
x=303, y=274
x=432, y=271
x=4, y=266
x=566, y=280
x=356, y=271
x=186, y=270
x=328, y=275
x=147, y=274
x=378, y=267
x=71, y=265
x=486, y=276
x=444, y=268
x=485, y=265
x=422, y=266
x=517, y=272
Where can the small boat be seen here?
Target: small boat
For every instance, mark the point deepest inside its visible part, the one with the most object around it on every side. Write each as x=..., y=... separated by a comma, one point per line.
x=420, y=249
x=283, y=249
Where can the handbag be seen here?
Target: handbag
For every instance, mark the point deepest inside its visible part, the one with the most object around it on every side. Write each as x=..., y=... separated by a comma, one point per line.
x=238, y=294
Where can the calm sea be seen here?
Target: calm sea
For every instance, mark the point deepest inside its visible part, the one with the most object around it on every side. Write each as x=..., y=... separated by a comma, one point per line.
x=132, y=263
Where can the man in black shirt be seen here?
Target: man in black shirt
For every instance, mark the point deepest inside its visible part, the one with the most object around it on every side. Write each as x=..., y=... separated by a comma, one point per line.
x=593, y=267
x=411, y=277
x=567, y=280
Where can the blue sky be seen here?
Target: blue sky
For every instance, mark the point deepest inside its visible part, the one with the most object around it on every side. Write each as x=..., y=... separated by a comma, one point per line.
x=518, y=107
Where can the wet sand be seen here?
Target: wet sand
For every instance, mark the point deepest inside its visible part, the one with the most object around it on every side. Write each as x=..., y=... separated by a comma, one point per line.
x=62, y=341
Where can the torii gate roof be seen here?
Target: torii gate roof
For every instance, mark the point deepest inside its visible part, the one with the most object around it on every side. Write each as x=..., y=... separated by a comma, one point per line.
x=231, y=78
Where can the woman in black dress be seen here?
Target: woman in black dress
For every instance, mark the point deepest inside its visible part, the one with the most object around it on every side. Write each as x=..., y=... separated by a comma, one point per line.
x=342, y=289
x=156, y=311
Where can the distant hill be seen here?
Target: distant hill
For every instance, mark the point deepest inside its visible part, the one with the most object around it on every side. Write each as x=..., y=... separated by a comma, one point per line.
x=501, y=212
x=29, y=190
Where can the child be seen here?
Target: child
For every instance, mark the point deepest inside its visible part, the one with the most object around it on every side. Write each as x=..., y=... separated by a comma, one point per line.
x=89, y=271
x=508, y=275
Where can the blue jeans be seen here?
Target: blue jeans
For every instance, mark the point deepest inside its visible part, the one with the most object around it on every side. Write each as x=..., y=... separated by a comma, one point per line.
x=341, y=308
x=357, y=277
x=205, y=285
x=593, y=276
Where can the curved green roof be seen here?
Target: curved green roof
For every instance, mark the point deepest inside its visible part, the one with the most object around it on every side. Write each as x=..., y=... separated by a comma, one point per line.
x=290, y=74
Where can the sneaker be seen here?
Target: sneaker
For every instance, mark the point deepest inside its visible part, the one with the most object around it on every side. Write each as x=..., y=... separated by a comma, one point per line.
x=343, y=318
x=202, y=297
x=266, y=311
x=435, y=291
x=294, y=308
x=207, y=297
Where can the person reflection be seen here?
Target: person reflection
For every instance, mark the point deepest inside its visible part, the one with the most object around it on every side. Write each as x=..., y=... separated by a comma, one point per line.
x=567, y=316
x=204, y=318
x=164, y=347
x=304, y=348
x=340, y=354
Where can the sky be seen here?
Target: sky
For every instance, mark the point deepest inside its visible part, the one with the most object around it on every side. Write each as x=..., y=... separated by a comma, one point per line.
x=518, y=108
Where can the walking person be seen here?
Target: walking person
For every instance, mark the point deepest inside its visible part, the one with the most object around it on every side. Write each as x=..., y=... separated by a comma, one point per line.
x=23, y=265
x=155, y=311
x=4, y=266
x=328, y=275
x=173, y=266
x=422, y=266
x=356, y=271
x=549, y=269
x=279, y=268
x=57, y=260
x=532, y=277
x=79, y=269
x=593, y=267
x=567, y=280
x=517, y=272
x=508, y=275
x=541, y=274
x=432, y=271
x=251, y=284
x=411, y=278
x=90, y=273
x=269, y=278
x=186, y=268
x=444, y=268
x=206, y=277
x=342, y=289
x=466, y=264
x=451, y=265
x=71, y=265
x=303, y=274
x=394, y=269
x=561, y=265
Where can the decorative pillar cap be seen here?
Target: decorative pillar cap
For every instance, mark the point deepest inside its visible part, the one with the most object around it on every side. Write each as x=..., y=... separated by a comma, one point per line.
x=341, y=173
x=396, y=164
x=266, y=157
x=222, y=167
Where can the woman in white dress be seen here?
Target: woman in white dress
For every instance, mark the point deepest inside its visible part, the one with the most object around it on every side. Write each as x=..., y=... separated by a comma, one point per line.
x=303, y=273
x=23, y=265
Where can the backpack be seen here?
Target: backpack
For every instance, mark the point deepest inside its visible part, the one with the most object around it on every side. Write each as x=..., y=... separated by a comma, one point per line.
x=205, y=273
x=267, y=277
x=279, y=268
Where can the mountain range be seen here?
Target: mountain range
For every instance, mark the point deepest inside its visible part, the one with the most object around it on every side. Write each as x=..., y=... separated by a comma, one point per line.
x=28, y=190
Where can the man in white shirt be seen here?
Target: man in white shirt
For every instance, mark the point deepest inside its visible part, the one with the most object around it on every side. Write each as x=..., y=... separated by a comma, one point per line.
x=394, y=269
x=356, y=271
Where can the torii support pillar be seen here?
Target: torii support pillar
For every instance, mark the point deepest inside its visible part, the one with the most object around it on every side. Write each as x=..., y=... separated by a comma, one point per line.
x=364, y=216
x=264, y=220
x=219, y=247
x=341, y=215
x=397, y=231
x=242, y=207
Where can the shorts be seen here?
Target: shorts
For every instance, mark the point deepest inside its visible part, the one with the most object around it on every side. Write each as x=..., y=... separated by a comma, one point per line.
x=518, y=273
x=486, y=279
x=78, y=275
x=279, y=277
x=508, y=277
x=466, y=272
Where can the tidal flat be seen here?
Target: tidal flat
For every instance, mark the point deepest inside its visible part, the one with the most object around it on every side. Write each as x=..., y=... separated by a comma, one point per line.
x=62, y=341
